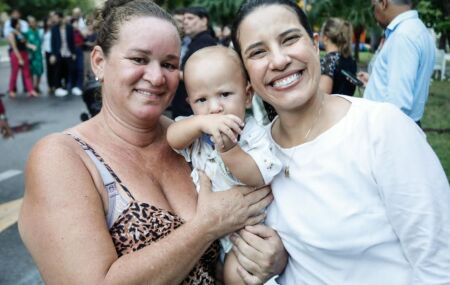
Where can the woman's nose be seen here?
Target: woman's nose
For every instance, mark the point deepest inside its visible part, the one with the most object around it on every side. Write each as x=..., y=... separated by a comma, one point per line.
x=154, y=75
x=279, y=60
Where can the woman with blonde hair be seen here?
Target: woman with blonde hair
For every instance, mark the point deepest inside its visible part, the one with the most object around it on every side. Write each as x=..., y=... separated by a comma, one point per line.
x=336, y=35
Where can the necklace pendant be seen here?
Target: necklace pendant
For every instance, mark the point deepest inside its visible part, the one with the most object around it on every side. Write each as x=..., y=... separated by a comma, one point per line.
x=286, y=171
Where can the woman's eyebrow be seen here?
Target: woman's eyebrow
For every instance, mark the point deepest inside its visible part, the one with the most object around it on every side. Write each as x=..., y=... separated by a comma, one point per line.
x=252, y=46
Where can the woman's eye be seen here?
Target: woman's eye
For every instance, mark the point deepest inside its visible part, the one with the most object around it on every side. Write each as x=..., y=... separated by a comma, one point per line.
x=138, y=60
x=170, y=66
x=291, y=39
x=256, y=53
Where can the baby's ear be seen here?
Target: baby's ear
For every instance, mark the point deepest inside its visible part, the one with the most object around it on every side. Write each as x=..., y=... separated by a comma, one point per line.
x=248, y=96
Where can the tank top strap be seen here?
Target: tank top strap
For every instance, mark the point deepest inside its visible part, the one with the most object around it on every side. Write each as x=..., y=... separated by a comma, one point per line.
x=108, y=176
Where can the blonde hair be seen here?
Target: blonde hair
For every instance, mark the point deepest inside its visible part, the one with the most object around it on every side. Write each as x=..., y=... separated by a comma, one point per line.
x=340, y=33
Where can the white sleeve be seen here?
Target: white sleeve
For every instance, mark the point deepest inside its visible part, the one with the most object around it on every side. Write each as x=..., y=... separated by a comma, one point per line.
x=416, y=194
x=261, y=149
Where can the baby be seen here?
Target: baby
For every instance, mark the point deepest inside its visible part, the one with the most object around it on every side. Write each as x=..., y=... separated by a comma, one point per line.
x=231, y=148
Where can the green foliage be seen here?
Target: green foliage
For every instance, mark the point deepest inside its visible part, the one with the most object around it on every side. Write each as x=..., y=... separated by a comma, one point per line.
x=221, y=12
x=436, y=122
x=433, y=15
x=40, y=8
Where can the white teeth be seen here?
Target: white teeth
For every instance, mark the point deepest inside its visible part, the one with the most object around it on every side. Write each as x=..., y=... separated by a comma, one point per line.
x=286, y=81
x=144, y=92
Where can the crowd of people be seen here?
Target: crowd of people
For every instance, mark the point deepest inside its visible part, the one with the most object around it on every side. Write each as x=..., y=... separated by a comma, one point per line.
x=59, y=45
x=333, y=190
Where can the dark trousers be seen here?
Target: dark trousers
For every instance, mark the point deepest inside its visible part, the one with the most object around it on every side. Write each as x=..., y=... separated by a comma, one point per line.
x=51, y=72
x=64, y=69
x=78, y=74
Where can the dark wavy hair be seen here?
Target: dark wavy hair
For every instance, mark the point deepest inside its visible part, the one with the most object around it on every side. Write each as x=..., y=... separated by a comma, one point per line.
x=251, y=5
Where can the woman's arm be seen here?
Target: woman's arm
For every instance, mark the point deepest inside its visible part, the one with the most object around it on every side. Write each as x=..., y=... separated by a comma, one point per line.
x=415, y=193
x=62, y=223
x=12, y=42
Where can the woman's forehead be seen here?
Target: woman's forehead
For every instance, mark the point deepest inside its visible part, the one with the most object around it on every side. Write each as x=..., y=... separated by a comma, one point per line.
x=270, y=18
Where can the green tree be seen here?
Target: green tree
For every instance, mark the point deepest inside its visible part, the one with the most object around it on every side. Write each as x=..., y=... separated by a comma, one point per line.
x=40, y=8
x=435, y=14
x=221, y=12
x=359, y=13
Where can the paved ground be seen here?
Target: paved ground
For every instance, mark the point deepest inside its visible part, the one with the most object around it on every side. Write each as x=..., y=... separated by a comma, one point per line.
x=32, y=118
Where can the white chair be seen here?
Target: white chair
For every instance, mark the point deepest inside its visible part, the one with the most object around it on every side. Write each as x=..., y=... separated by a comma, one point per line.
x=439, y=63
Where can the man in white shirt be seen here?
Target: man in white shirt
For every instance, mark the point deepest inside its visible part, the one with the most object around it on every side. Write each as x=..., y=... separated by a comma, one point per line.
x=15, y=14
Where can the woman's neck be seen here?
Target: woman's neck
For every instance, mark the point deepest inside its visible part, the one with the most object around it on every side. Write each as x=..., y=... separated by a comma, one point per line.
x=121, y=131
x=330, y=47
x=298, y=126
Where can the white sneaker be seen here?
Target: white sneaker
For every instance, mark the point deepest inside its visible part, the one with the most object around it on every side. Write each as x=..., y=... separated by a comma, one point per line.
x=77, y=91
x=59, y=92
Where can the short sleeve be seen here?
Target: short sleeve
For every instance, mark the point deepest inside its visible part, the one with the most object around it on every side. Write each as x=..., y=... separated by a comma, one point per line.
x=256, y=143
x=328, y=64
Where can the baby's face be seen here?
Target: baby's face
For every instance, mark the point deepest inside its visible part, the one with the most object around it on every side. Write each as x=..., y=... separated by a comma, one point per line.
x=217, y=86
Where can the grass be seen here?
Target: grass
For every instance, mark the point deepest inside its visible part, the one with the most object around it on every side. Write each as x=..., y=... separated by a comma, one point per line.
x=436, y=122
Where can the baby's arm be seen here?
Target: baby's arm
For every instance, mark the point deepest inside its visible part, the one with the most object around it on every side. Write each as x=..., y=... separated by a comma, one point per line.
x=230, y=273
x=242, y=166
x=182, y=133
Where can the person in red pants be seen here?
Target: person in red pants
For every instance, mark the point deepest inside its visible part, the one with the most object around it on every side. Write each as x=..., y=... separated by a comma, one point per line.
x=19, y=60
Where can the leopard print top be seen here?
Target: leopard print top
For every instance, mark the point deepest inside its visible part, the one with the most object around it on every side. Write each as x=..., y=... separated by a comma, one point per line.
x=141, y=224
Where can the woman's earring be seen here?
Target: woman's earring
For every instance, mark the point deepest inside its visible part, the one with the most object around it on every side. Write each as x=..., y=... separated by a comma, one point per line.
x=96, y=78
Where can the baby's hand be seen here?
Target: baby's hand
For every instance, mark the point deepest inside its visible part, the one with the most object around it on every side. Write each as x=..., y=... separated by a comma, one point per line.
x=217, y=125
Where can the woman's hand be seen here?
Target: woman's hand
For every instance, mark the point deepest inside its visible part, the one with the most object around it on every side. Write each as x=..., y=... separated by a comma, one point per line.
x=227, y=211
x=260, y=253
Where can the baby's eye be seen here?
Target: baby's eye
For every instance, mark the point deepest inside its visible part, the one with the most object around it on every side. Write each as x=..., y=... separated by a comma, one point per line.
x=200, y=100
x=225, y=94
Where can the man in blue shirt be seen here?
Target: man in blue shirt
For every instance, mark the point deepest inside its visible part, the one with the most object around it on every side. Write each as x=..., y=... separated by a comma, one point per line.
x=402, y=70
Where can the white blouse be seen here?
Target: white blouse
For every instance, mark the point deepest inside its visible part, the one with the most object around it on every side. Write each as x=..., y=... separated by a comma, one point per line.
x=367, y=202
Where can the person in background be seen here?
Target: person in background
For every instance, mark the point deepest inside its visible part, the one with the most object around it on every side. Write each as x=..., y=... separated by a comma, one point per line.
x=18, y=54
x=89, y=43
x=7, y=27
x=47, y=47
x=34, y=38
x=336, y=35
x=62, y=54
x=78, y=72
x=5, y=129
x=77, y=17
x=363, y=199
x=128, y=212
x=178, y=16
x=402, y=70
x=196, y=26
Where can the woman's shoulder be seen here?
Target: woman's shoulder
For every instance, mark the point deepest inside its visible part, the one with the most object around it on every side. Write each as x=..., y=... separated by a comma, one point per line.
x=52, y=148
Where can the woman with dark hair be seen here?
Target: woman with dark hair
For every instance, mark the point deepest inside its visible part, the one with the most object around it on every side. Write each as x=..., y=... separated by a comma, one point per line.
x=19, y=60
x=362, y=199
x=84, y=225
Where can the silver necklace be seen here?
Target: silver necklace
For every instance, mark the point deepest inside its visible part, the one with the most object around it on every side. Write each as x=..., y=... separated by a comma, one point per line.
x=316, y=118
